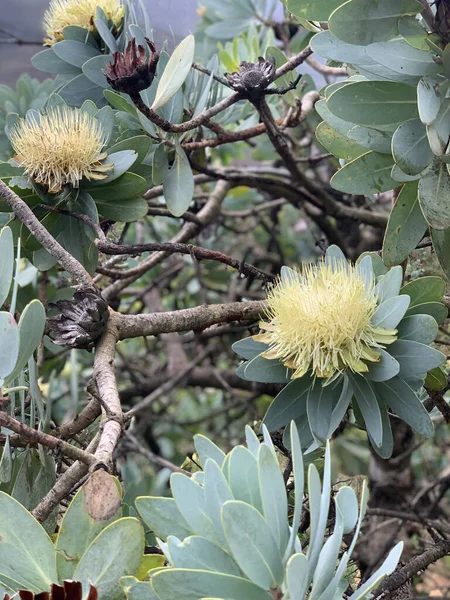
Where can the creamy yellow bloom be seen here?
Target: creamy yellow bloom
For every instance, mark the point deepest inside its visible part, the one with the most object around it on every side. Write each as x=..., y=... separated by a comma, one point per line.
x=62, y=13
x=60, y=148
x=321, y=320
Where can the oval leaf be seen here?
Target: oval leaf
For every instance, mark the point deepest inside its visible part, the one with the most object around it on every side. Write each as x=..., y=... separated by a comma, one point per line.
x=176, y=71
x=9, y=344
x=252, y=544
x=114, y=553
x=31, y=330
x=178, y=186
x=27, y=554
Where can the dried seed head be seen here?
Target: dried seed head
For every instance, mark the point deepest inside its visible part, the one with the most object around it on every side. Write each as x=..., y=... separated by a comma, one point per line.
x=253, y=77
x=69, y=590
x=60, y=148
x=81, y=321
x=131, y=71
x=62, y=13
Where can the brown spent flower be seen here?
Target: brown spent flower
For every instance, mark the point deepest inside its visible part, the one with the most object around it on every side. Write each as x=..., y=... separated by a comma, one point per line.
x=81, y=321
x=253, y=77
x=70, y=590
x=131, y=72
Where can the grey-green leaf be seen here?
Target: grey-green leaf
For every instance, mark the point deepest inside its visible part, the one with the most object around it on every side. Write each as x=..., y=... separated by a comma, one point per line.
x=74, y=53
x=406, y=226
x=367, y=174
x=273, y=496
x=178, y=186
x=192, y=584
x=404, y=402
x=373, y=103
x=116, y=552
x=367, y=403
x=434, y=195
x=248, y=348
x=163, y=517
x=266, y=371
x=31, y=330
x=365, y=22
x=27, y=554
x=410, y=147
x=289, y=404
x=6, y=262
x=9, y=345
x=391, y=312
x=175, y=72
x=252, y=544
x=195, y=552
x=418, y=328
x=415, y=358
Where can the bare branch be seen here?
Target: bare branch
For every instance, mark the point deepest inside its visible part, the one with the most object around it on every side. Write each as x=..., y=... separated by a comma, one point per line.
x=49, y=441
x=130, y=326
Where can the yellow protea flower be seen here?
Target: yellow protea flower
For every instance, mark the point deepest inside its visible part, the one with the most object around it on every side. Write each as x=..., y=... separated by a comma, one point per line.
x=321, y=320
x=60, y=148
x=62, y=13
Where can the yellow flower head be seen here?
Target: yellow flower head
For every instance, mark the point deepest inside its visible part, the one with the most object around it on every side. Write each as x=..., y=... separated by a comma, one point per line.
x=82, y=13
x=321, y=320
x=60, y=148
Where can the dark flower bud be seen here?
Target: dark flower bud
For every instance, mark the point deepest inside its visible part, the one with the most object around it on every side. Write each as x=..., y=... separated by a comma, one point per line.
x=253, y=77
x=442, y=19
x=131, y=71
x=81, y=321
x=69, y=590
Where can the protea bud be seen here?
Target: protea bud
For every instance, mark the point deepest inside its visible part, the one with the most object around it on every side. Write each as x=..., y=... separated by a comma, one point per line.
x=253, y=77
x=70, y=590
x=81, y=321
x=131, y=71
x=442, y=19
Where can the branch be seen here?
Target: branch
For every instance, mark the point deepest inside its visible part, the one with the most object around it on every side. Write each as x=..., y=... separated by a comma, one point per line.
x=171, y=248
x=293, y=63
x=130, y=326
x=28, y=218
x=81, y=421
x=204, y=116
x=39, y=437
x=325, y=69
x=63, y=486
x=187, y=125
x=437, y=397
x=104, y=377
x=406, y=573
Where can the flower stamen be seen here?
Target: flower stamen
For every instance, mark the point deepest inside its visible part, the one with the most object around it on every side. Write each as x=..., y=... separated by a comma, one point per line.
x=321, y=320
x=60, y=148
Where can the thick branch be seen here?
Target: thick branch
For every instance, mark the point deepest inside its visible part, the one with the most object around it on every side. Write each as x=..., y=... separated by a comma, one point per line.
x=104, y=376
x=130, y=326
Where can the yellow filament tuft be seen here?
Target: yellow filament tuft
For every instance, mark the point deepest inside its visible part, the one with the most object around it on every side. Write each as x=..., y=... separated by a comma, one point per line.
x=321, y=320
x=62, y=13
x=60, y=148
